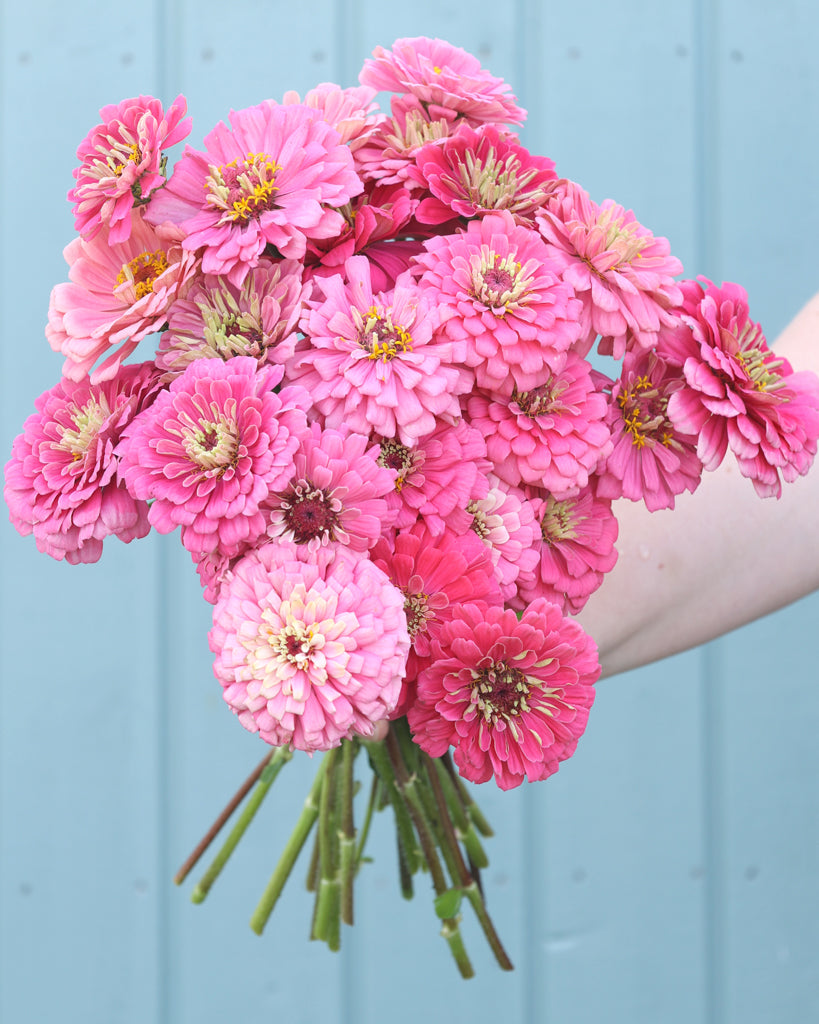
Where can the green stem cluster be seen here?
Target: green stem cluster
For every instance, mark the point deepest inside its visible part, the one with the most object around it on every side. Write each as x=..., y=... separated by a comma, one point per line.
x=438, y=830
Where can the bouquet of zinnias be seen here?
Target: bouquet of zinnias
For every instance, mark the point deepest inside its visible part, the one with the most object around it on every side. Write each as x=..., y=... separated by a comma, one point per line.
x=372, y=417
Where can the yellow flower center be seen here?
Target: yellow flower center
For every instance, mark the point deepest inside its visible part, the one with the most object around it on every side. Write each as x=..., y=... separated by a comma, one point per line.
x=142, y=271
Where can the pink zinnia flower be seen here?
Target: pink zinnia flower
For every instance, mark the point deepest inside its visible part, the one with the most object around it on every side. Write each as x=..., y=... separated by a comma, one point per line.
x=211, y=450
x=351, y=112
x=372, y=364
x=272, y=178
x=552, y=435
x=575, y=549
x=504, y=519
x=741, y=395
x=122, y=163
x=623, y=275
x=444, y=77
x=310, y=646
x=512, y=697
x=335, y=493
x=501, y=301
x=651, y=461
x=475, y=172
x=434, y=575
x=118, y=294
x=219, y=320
x=63, y=481
x=437, y=477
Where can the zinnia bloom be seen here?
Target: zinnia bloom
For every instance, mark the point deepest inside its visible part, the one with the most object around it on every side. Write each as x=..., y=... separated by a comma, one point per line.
x=351, y=112
x=741, y=395
x=219, y=320
x=372, y=363
x=272, y=178
x=623, y=275
x=63, y=481
x=504, y=519
x=501, y=301
x=123, y=163
x=511, y=696
x=310, y=646
x=118, y=294
x=335, y=494
x=444, y=77
x=212, y=448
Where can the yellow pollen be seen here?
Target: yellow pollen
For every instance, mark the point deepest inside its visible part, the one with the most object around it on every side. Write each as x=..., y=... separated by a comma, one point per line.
x=142, y=271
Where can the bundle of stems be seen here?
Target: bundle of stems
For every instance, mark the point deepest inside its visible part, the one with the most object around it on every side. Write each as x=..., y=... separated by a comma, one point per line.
x=439, y=828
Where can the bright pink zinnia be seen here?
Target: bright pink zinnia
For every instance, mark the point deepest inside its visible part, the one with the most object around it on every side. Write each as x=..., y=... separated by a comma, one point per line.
x=623, y=275
x=372, y=363
x=212, y=448
x=741, y=395
x=63, y=481
x=444, y=77
x=335, y=493
x=511, y=696
x=219, y=320
x=274, y=178
x=310, y=646
x=552, y=435
x=123, y=163
x=501, y=301
x=118, y=294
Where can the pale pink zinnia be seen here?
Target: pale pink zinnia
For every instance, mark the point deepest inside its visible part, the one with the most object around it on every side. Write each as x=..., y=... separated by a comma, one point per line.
x=552, y=435
x=335, y=493
x=219, y=320
x=476, y=172
x=651, y=460
x=575, y=549
x=118, y=294
x=623, y=275
x=511, y=696
x=501, y=301
x=310, y=646
x=372, y=363
x=741, y=395
x=212, y=448
x=123, y=163
x=444, y=77
x=274, y=178
x=352, y=112
x=63, y=481
x=504, y=519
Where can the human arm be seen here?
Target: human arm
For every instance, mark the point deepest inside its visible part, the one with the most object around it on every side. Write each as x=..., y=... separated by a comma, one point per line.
x=722, y=558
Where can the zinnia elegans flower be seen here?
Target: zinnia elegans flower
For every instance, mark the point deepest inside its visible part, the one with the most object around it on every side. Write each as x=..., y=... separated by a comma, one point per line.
x=504, y=519
x=511, y=696
x=118, y=293
x=575, y=549
x=740, y=394
x=553, y=435
x=63, y=481
x=219, y=320
x=651, y=461
x=623, y=275
x=475, y=172
x=372, y=363
x=310, y=646
x=335, y=493
x=501, y=301
x=272, y=178
x=122, y=163
x=211, y=449
x=351, y=112
x=444, y=77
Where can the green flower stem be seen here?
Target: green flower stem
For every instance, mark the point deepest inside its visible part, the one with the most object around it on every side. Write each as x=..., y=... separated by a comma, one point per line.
x=267, y=776
x=227, y=813
x=311, y=881
x=474, y=812
x=450, y=928
x=464, y=829
x=347, y=845
x=406, y=836
x=304, y=825
x=475, y=897
x=327, y=919
x=363, y=835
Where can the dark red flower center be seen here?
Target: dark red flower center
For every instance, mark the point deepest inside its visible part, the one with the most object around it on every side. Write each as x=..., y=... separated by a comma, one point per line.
x=310, y=512
x=500, y=691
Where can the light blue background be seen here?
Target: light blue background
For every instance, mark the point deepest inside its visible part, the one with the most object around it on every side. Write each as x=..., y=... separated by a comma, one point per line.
x=670, y=873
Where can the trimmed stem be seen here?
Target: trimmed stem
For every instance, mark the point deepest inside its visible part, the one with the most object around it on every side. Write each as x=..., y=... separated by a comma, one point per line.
x=349, y=750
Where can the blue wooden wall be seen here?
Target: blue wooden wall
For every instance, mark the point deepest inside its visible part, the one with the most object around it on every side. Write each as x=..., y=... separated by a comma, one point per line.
x=670, y=872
